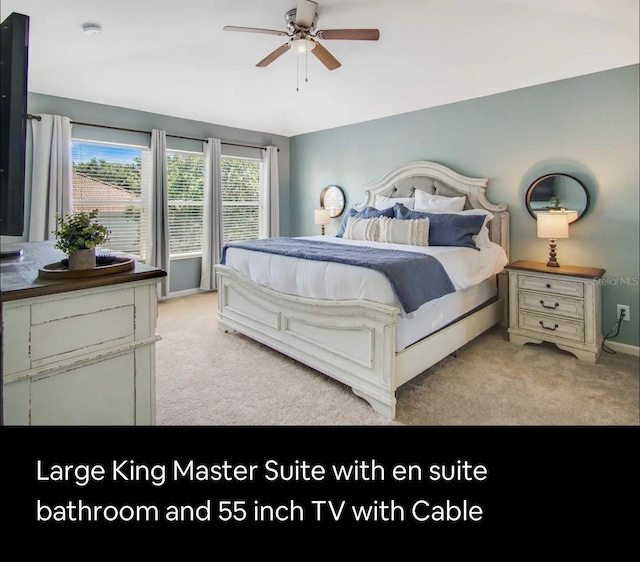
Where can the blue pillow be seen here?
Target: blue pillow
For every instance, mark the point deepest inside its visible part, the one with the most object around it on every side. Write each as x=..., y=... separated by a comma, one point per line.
x=366, y=213
x=446, y=229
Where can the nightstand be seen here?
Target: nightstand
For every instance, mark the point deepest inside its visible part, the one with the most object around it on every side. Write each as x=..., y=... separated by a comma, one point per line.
x=560, y=305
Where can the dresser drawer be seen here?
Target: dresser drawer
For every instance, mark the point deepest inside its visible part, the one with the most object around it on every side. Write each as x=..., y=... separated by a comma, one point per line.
x=551, y=285
x=551, y=327
x=552, y=305
x=78, y=335
x=76, y=325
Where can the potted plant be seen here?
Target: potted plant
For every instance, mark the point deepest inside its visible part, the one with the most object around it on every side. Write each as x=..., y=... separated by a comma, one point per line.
x=77, y=236
x=555, y=201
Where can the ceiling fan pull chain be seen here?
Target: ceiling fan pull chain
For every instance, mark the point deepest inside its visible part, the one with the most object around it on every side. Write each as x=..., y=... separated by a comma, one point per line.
x=306, y=60
x=297, y=74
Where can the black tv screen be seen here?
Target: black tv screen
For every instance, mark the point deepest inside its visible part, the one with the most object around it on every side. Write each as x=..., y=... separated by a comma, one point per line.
x=544, y=190
x=14, y=52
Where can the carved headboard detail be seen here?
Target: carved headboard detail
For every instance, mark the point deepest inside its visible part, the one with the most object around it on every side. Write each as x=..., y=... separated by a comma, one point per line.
x=438, y=179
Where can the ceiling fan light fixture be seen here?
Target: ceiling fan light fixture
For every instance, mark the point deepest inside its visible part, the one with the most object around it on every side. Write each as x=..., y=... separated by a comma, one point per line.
x=302, y=46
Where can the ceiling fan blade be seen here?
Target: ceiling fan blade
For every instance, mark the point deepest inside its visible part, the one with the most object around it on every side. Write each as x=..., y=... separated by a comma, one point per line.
x=305, y=12
x=254, y=30
x=274, y=55
x=325, y=57
x=358, y=34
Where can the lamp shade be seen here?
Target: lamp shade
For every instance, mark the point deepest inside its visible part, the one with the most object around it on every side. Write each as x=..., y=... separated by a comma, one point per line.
x=572, y=216
x=322, y=216
x=553, y=225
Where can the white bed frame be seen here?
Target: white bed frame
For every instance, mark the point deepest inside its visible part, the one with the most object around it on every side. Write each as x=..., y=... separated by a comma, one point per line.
x=354, y=341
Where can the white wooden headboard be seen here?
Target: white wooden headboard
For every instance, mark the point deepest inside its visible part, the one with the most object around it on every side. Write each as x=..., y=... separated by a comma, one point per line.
x=440, y=180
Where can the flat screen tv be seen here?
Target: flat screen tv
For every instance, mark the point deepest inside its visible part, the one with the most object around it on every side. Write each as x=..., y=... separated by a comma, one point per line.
x=14, y=53
x=544, y=190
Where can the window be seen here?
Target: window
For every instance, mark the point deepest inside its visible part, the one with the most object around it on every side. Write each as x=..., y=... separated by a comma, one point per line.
x=186, y=182
x=115, y=180
x=240, y=199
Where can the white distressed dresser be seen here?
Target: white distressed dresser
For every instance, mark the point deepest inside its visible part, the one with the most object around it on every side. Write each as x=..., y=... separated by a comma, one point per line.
x=556, y=304
x=77, y=352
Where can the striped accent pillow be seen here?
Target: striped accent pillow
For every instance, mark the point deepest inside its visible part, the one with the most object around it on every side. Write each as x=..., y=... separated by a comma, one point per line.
x=414, y=232
x=362, y=229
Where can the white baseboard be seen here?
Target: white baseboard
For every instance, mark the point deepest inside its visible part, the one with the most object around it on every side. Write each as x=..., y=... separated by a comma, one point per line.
x=184, y=293
x=623, y=348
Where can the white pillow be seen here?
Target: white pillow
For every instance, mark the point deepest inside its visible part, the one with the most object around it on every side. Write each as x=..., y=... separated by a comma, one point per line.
x=361, y=229
x=382, y=202
x=430, y=202
x=412, y=231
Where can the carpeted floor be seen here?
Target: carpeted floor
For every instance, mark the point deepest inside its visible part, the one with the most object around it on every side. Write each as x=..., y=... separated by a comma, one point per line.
x=206, y=377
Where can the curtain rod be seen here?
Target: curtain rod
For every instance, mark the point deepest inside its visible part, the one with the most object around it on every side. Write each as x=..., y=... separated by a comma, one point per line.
x=38, y=118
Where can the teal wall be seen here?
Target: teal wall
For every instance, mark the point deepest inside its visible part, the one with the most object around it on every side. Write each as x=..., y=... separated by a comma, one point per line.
x=185, y=273
x=587, y=127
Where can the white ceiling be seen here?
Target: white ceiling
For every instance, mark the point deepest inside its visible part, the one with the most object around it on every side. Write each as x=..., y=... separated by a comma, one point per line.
x=172, y=56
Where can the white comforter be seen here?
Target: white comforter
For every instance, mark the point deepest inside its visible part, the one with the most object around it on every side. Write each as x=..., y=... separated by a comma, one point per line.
x=336, y=281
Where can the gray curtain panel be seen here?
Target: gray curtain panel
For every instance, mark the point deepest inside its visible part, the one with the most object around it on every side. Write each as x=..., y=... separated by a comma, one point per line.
x=269, y=194
x=212, y=214
x=51, y=191
x=158, y=239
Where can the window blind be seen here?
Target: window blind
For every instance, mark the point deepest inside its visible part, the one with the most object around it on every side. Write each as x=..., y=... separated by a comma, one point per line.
x=114, y=179
x=240, y=198
x=186, y=183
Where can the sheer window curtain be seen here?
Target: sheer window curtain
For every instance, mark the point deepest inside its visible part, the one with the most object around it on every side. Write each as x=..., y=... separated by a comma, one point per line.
x=157, y=253
x=212, y=215
x=51, y=191
x=269, y=194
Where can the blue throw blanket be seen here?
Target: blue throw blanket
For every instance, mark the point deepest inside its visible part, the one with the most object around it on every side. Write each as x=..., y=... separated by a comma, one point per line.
x=415, y=278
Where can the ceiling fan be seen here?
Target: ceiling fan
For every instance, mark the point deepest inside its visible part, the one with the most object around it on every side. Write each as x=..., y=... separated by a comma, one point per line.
x=303, y=38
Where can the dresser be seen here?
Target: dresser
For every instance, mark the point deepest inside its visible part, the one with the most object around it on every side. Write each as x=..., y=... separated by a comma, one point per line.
x=560, y=305
x=77, y=351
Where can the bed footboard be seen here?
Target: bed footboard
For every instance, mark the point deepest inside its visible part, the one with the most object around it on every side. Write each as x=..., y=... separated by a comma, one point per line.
x=350, y=341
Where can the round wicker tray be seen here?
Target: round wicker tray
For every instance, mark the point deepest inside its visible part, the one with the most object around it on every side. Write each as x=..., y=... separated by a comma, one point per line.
x=59, y=270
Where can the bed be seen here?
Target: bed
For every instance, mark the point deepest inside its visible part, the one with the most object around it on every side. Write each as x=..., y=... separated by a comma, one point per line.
x=349, y=321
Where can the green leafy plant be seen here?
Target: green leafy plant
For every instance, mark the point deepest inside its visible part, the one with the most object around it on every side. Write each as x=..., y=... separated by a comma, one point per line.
x=555, y=201
x=79, y=231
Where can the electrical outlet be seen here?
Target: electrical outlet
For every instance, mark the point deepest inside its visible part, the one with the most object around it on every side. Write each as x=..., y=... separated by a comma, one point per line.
x=623, y=308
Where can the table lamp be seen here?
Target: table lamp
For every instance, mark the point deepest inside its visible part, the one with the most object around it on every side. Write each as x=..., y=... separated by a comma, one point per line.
x=322, y=217
x=553, y=225
x=572, y=216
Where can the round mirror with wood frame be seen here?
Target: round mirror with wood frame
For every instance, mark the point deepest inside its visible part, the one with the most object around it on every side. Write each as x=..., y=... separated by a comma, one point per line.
x=332, y=198
x=558, y=191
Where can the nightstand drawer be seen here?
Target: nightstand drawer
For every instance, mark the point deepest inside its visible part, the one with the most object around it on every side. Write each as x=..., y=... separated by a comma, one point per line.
x=560, y=305
x=551, y=285
x=552, y=305
x=551, y=327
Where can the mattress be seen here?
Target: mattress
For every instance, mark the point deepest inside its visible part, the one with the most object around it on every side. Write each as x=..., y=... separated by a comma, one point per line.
x=438, y=313
x=471, y=271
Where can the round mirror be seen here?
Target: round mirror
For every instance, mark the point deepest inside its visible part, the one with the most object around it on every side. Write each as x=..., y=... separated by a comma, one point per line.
x=558, y=191
x=332, y=198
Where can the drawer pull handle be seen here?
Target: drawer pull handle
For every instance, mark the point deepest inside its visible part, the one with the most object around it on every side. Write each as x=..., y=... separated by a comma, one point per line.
x=547, y=327
x=548, y=285
x=556, y=305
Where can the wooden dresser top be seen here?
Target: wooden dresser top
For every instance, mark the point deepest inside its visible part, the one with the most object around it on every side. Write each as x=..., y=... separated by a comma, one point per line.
x=19, y=276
